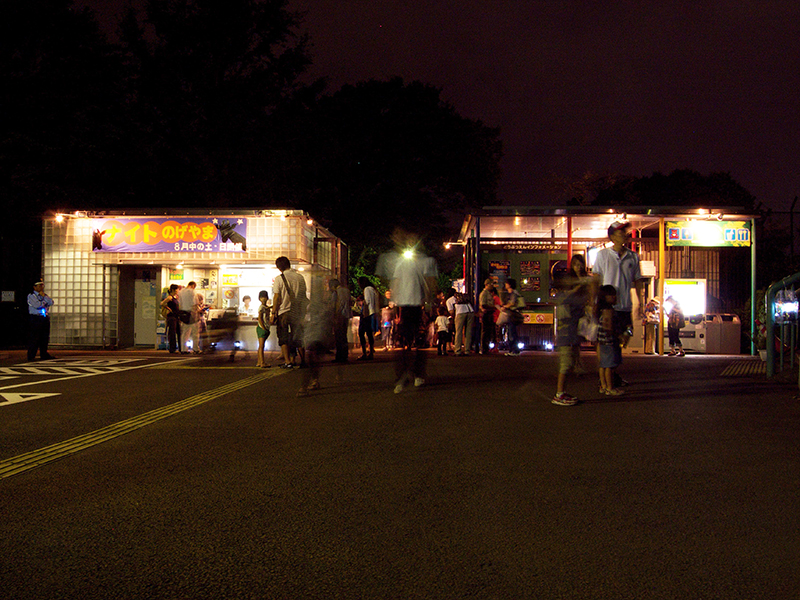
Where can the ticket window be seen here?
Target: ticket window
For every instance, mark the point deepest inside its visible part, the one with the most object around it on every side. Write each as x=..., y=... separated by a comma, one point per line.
x=241, y=286
x=248, y=302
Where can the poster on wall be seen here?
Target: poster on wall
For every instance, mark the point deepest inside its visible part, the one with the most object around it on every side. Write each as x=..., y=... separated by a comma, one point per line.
x=531, y=284
x=169, y=234
x=499, y=271
x=530, y=268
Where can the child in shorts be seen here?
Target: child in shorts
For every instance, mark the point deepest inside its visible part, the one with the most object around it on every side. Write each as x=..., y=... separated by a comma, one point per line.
x=609, y=340
x=262, y=329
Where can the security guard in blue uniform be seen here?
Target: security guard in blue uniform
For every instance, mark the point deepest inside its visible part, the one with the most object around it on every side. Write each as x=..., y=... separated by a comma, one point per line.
x=39, y=305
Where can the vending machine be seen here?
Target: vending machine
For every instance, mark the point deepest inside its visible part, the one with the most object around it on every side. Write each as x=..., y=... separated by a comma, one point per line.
x=690, y=295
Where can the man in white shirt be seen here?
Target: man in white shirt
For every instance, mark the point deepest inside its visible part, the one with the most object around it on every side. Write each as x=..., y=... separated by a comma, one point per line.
x=188, y=302
x=619, y=266
x=289, y=302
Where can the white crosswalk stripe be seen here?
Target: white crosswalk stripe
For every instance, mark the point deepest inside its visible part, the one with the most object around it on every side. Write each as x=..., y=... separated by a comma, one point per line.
x=56, y=370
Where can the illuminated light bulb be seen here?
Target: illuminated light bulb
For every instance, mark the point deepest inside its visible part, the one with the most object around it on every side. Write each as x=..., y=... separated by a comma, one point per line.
x=408, y=254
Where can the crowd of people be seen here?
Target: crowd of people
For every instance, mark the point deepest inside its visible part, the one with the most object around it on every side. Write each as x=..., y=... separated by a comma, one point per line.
x=413, y=315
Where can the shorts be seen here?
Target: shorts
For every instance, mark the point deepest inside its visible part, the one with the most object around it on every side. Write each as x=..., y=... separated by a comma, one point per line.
x=609, y=357
x=568, y=358
x=290, y=331
x=261, y=332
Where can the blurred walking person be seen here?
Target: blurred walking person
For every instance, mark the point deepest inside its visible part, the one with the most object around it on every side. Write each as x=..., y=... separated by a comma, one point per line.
x=412, y=277
x=342, y=312
x=369, y=321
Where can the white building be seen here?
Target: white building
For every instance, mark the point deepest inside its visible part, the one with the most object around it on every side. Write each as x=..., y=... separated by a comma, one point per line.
x=107, y=272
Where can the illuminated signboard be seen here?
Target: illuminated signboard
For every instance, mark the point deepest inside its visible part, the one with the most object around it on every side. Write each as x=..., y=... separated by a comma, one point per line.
x=708, y=233
x=170, y=234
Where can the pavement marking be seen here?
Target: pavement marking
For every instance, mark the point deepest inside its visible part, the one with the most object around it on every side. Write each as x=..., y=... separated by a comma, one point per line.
x=57, y=370
x=37, y=458
x=742, y=368
x=9, y=398
x=77, y=361
x=76, y=369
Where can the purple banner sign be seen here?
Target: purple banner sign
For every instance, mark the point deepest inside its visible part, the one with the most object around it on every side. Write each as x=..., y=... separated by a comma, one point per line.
x=170, y=234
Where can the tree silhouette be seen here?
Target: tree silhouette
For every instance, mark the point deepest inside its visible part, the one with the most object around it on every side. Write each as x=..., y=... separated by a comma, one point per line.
x=60, y=98
x=205, y=77
x=384, y=153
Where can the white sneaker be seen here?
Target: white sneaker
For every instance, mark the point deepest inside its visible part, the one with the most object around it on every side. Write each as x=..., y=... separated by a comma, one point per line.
x=401, y=383
x=419, y=382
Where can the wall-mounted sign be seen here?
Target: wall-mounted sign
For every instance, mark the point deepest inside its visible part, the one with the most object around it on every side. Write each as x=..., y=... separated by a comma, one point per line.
x=549, y=245
x=537, y=318
x=170, y=234
x=708, y=233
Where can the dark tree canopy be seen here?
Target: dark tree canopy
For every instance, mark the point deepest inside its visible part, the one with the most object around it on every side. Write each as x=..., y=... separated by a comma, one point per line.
x=60, y=101
x=384, y=153
x=205, y=77
x=682, y=187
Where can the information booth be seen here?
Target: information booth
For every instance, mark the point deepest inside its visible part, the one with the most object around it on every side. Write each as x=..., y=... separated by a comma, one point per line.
x=532, y=244
x=108, y=272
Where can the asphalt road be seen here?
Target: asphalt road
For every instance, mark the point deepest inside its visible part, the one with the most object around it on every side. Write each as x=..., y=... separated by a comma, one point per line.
x=135, y=475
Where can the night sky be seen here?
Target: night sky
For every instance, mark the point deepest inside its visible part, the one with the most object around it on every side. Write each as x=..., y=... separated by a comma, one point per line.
x=588, y=85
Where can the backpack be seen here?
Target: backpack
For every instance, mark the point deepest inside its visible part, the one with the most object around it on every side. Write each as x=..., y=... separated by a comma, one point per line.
x=463, y=298
x=676, y=319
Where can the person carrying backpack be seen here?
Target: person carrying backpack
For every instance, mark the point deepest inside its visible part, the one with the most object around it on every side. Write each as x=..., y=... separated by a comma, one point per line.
x=675, y=322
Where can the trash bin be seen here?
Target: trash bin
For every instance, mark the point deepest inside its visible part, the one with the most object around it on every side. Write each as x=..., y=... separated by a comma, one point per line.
x=723, y=334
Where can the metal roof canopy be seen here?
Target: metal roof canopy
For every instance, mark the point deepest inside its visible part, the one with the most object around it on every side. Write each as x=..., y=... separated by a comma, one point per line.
x=588, y=223
x=588, y=226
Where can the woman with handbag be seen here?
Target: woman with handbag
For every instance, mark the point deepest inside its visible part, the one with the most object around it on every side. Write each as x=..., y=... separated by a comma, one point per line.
x=169, y=310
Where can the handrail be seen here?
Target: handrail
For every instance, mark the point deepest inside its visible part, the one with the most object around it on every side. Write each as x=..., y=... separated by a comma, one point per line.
x=769, y=301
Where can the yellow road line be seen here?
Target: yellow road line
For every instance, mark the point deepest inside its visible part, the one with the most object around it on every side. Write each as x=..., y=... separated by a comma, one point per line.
x=36, y=458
